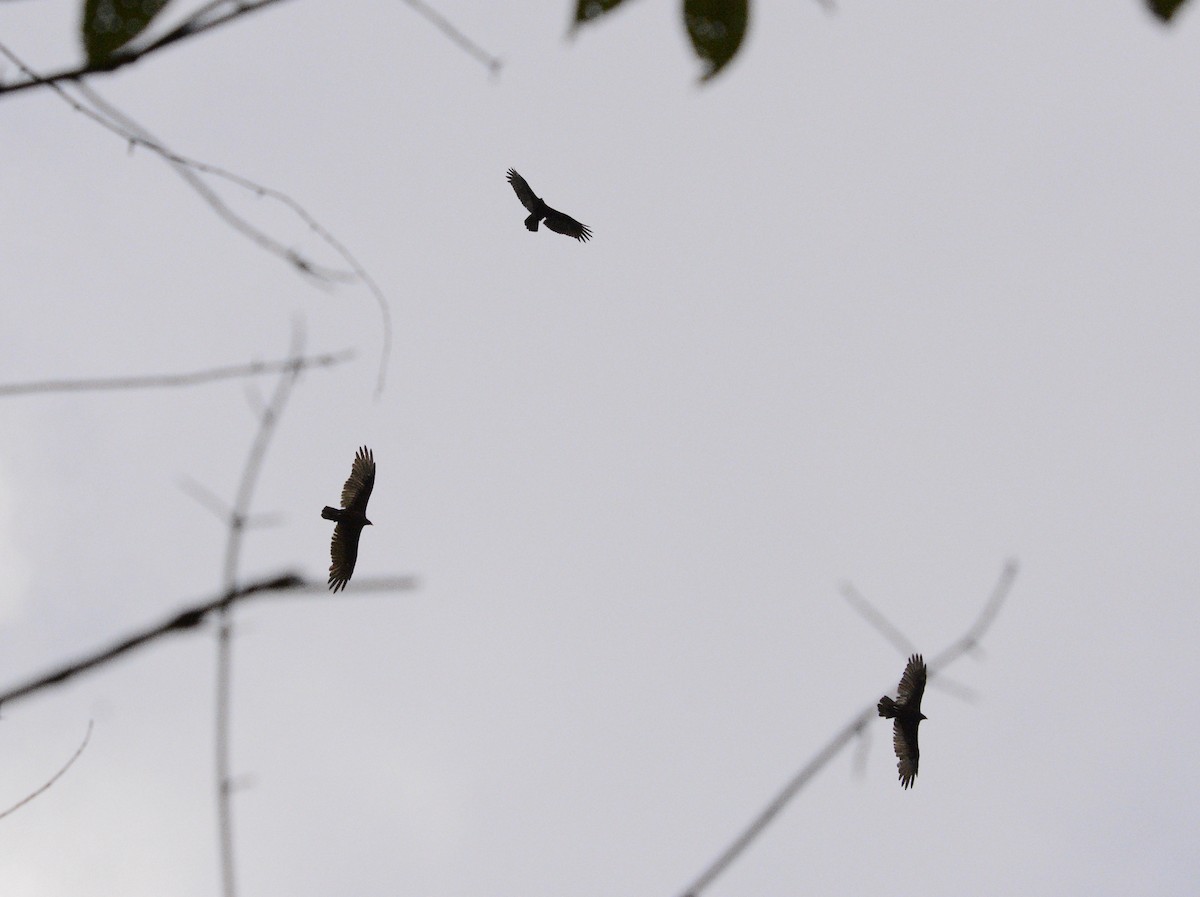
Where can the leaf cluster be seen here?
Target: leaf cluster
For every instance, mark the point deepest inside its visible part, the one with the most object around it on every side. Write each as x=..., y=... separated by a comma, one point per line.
x=715, y=27
x=108, y=25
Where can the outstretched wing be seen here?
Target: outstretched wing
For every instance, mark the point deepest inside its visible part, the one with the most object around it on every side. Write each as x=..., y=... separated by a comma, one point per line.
x=565, y=224
x=912, y=687
x=528, y=198
x=904, y=740
x=357, y=491
x=343, y=553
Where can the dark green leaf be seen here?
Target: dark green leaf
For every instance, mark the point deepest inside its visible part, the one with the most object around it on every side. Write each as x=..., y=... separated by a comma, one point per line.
x=586, y=10
x=716, y=28
x=109, y=25
x=1164, y=9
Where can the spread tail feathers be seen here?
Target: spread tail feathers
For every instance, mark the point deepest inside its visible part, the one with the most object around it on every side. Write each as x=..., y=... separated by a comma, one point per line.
x=331, y=513
x=887, y=707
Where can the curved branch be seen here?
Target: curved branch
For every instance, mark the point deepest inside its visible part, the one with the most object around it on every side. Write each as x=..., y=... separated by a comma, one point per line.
x=268, y=418
x=191, y=169
x=108, y=116
x=191, y=378
x=947, y=656
x=54, y=778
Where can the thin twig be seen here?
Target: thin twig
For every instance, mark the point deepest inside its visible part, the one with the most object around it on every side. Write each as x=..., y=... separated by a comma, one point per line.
x=206, y=497
x=362, y=584
x=58, y=775
x=206, y=18
x=954, y=688
x=189, y=618
x=137, y=135
x=191, y=378
x=187, y=168
x=947, y=656
x=233, y=549
x=119, y=123
x=54, y=778
x=903, y=643
x=249, y=478
x=448, y=28
x=864, y=749
x=881, y=623
x=196, y=24
x=968, y=640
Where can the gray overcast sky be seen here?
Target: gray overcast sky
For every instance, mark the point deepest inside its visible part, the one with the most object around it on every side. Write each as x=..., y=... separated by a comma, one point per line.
x=909, y=290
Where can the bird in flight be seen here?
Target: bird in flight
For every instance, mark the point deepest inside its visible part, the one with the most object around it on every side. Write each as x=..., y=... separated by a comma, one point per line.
x=351, y=518
x=538, y=210
x=906, y=711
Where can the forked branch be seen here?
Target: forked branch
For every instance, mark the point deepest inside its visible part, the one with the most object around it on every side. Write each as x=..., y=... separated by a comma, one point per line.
x=944, y=658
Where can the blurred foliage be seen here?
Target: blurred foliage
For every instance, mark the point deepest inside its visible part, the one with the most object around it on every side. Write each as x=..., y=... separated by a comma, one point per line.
x=716, y=27
x=108, y=25
x=586, y=10
x=1164, y=9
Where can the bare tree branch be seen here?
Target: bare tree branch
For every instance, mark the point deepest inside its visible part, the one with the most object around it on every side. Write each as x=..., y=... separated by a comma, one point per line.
x=206, y=497
x=954, y=688
x=864, y=749
x=447, y=28
x=189, y=169
x=124, y=126
x=109, y=117
x=363, y=584
x=189, y=618
x=191, y=378
x=903, y=644
x=233, y=548
x=969, y=640
x=881, y=623
x=206, y=18
x=58, y=775
x=947, y=656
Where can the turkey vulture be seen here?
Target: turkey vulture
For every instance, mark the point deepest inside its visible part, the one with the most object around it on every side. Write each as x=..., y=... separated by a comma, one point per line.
x=555, y=220
x=351, y=518
x=906, y=711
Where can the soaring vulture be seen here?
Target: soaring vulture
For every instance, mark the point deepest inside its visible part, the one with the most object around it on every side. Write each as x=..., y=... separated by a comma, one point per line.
x=906, y=711
x=351, y=518
x=538, y=210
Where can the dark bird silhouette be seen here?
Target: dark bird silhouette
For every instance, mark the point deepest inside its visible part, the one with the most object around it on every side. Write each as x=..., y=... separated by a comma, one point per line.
x=906, y=711
x=351, y=518
x=538, y=211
